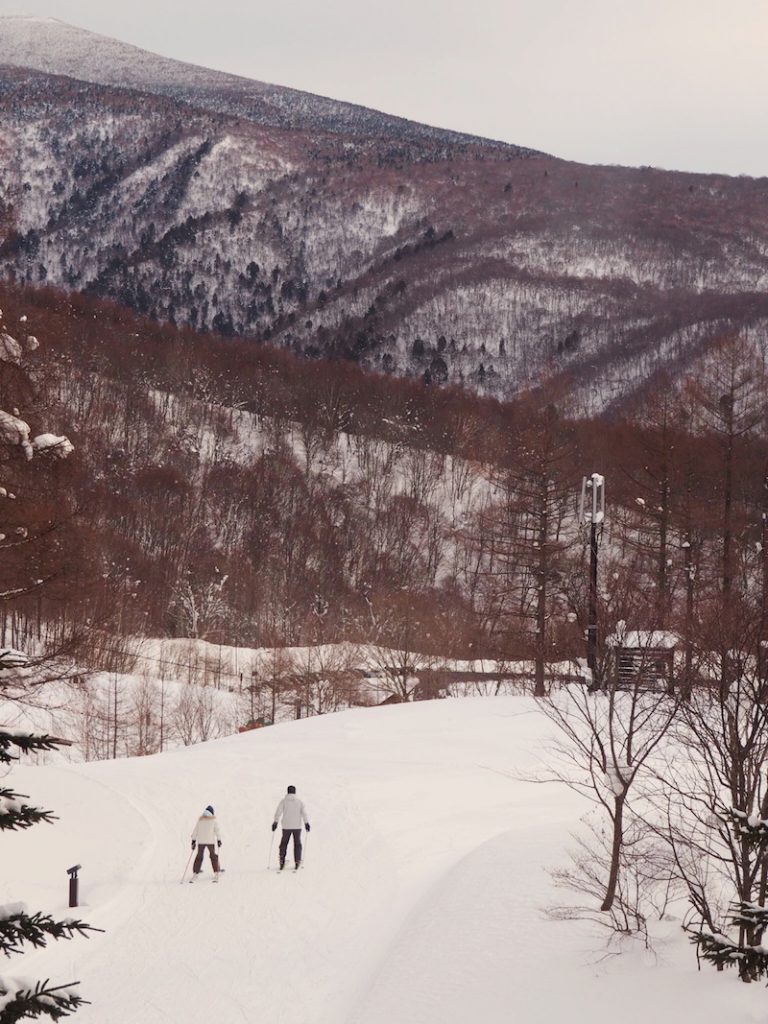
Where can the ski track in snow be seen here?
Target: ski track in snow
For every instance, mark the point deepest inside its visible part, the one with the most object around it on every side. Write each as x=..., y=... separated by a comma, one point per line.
x=479, y=946
x=421, y=900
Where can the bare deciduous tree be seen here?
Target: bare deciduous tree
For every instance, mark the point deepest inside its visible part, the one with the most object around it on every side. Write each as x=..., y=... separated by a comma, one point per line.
x=606, y=742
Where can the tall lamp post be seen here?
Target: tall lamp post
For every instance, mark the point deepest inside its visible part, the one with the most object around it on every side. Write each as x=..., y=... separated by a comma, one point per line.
x=592, y=512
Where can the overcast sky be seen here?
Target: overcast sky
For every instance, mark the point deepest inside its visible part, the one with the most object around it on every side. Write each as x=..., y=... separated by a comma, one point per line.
x=681, y=84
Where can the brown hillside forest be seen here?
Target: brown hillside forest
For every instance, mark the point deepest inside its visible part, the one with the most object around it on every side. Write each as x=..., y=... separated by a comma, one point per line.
x=334, y=232
x=232, y=492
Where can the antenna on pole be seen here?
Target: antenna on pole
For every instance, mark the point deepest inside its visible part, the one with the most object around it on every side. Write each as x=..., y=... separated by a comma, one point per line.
x=592, y=512
x=592, y=504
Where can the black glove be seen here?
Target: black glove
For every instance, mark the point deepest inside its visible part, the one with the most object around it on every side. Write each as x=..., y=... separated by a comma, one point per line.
x=194, y=844
x=307, y=826
x=218, y=843
x=274, y=826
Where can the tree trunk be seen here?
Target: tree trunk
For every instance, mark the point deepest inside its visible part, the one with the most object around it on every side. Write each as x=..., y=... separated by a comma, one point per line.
x=616, y=845
x=689, y=584
x=762, y=636
x=541, y=596
x=662, y=607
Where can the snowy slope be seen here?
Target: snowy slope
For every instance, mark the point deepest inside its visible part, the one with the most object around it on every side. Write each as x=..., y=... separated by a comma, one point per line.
x=49, y=44
x=421, y=901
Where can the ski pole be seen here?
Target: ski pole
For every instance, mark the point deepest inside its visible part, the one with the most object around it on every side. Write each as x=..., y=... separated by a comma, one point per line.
x=187, y=867
x=269, y=858
x=304, y=853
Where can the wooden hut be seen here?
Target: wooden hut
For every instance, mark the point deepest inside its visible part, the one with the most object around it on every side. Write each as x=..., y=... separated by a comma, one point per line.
x=644, y=658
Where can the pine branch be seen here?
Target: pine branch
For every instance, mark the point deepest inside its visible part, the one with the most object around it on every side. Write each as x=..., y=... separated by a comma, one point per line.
x=717, y=949
x=18, y=1002
x=748, y=827
x=25, y=742
x=16, y=815
x=722, y=952
x=751, y=915
x=18, y=927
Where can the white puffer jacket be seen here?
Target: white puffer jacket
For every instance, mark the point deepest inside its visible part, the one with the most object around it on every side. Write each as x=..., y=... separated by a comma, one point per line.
x=206, y=831
x=292, y=811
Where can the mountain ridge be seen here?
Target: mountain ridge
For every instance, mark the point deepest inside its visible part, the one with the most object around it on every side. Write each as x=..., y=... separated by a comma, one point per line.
x=55, y=46
x=441, y=258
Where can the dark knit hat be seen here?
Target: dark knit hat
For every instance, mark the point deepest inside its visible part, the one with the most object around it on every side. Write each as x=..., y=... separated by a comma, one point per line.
x=291, y=789
x=209, y=808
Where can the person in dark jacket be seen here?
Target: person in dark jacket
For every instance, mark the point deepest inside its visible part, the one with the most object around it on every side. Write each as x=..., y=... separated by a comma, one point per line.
x=293, y=814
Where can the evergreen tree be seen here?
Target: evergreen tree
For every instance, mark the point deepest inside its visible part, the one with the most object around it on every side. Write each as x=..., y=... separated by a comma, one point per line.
x=21, y=575
x=18, y=926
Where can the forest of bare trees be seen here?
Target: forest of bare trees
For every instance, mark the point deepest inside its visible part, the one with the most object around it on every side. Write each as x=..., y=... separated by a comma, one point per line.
x=233, y=490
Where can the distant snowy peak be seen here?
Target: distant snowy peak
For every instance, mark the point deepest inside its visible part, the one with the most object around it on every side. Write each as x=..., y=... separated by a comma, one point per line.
x=46, y=44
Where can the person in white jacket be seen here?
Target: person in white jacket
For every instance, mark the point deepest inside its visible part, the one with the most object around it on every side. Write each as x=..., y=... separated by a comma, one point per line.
x=293, y=814
x=206, y=836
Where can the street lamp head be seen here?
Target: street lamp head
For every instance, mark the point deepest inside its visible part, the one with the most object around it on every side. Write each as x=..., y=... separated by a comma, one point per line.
x=592, y=504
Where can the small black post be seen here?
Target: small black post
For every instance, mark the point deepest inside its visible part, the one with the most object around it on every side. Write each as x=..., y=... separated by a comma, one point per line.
x=73, y=885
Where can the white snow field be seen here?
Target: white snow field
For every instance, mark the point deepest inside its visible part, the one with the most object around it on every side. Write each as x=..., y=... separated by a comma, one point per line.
x=422, y=899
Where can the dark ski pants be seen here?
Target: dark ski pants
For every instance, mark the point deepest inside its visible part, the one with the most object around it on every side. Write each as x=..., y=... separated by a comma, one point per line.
x=287, y=833
x=201, y=853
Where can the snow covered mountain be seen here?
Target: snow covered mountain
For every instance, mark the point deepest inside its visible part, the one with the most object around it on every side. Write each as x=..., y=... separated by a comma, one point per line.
x=50, y=45
x=244, y=208
x=422, y=899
